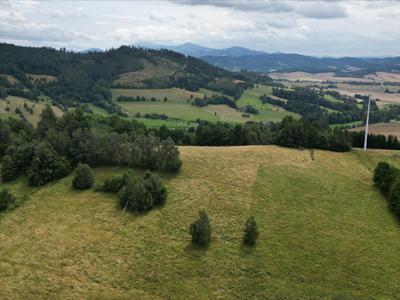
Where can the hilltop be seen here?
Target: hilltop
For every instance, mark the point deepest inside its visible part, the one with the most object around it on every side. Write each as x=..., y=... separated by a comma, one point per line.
x=325, y=232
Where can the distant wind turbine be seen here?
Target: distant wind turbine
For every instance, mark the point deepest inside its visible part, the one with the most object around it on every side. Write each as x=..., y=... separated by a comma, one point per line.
x=366, y=124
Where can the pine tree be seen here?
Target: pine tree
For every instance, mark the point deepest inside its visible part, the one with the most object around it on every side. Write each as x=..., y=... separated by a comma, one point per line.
x=9, y=170
x=200, y=230
x=47, y=120
x=250, y=232
x=84, y=178
x=134, y=196
x=154, y=186
x=170, y=156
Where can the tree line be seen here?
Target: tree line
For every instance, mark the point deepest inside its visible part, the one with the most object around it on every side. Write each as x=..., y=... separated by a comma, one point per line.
x=57, y=145
x=387, y=180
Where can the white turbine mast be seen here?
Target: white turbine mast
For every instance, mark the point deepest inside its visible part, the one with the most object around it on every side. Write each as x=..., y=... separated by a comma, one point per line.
x=366, y=123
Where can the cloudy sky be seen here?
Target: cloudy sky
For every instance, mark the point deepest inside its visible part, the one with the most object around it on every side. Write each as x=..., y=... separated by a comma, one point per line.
x=324, y=28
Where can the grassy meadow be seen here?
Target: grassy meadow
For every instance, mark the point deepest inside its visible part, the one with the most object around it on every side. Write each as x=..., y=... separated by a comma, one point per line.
x=11, y=103
x=179, y=106
x=325, y=232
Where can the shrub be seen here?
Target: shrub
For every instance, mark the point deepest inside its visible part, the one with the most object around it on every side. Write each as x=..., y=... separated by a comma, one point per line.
x=46, y=165
x=394, y=196
x=384, y=175
x=154, y=186
x=250, y=232
x=7, y=200
x=84, y=178
x=9, y=170
x=134, y=196
x=200, y=230
x=114, y=184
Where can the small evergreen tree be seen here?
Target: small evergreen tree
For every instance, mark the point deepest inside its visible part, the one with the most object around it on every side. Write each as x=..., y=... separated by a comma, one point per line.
x=154, y=186
x=170, y=156
x=7, y=200
x=9, y=170
x=250, y=232
x=200, y=230
x=84, y=178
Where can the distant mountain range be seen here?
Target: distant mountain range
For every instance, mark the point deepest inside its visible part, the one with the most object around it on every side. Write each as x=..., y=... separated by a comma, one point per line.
x=239, y=58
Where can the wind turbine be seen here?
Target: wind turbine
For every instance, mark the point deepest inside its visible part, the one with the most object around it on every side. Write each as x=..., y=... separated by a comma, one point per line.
x=366, y=124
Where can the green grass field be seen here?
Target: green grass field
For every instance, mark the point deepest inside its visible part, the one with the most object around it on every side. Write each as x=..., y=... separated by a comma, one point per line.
x=173, y=94
x=179, y=105
x=325, y=233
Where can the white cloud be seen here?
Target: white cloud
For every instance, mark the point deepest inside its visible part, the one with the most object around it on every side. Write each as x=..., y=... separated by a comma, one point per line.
x=310, y=27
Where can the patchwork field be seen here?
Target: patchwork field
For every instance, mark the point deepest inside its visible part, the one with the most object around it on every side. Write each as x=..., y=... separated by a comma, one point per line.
x=317, y=77
x=392, y=128
x=179, y=105
x=325, y=232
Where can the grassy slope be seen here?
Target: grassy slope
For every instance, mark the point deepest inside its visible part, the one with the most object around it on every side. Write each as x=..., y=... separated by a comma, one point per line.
x=325, y=232
x=17, y=102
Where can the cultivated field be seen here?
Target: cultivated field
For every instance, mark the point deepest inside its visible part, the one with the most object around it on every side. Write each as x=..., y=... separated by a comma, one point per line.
x=392, y=128
x=326, y=232
x=330, y=76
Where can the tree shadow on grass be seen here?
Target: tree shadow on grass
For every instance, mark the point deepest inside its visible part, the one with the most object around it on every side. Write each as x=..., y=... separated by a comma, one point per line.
x=195, y=252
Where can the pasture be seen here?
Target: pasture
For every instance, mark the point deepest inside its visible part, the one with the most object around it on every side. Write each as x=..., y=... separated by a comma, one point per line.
x=325, y=232
x=9, y=105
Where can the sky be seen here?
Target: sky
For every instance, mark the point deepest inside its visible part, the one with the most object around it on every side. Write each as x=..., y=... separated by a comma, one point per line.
x=321, y=28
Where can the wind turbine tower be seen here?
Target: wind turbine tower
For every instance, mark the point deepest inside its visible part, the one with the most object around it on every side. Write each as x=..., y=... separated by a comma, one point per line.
x=366, y=124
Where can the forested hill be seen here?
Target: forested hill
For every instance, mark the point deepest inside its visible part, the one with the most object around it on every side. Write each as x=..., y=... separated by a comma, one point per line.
x=69, y=78
x=282, y=62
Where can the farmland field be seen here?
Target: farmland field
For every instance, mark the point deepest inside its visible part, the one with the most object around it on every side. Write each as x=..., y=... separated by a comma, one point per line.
x=179, y=105
x=392, y=128
x=325, y=232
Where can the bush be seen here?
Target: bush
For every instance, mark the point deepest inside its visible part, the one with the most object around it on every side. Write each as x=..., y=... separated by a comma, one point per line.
x=384, y=175
x=46, y=165
x=200, y=230
x=114, y=184
x=394, y=196
x=134, y=196
x=154, y=186
x=9, y=170
x=7, y=200
x=250, y=232
x=84, y=178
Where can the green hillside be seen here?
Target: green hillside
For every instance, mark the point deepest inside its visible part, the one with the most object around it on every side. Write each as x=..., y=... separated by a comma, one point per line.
x=325, y=232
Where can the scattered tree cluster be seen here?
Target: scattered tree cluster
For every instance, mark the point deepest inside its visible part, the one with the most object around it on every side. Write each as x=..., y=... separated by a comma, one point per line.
x=200, y=231
x=140, y=194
